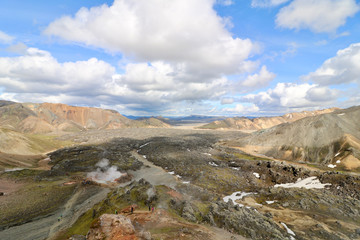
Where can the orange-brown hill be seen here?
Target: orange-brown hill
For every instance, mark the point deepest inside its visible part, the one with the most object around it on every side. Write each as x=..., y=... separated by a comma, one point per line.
x=243, y=123
x=50, y=117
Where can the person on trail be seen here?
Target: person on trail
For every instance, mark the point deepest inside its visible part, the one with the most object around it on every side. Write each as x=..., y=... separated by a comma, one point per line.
x=132, y=210
x=149, y=207
x=116, y=211
x=152, y=209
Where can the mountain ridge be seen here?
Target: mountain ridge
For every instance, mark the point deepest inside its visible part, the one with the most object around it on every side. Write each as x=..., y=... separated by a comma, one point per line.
x=258, y=123
x=50, y=117
x=327, y=138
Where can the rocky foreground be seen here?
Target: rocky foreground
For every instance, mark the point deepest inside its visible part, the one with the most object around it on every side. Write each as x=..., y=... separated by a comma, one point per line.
x=200, y=188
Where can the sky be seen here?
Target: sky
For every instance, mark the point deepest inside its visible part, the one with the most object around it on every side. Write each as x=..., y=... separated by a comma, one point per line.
x=182, y=57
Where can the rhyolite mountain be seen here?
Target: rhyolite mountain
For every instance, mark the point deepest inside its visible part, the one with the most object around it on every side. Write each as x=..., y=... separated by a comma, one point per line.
x=252, y=124
x=50, y=117
x=331, y=138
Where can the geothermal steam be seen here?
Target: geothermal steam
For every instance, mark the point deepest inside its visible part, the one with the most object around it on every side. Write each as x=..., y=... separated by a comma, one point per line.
x=104, y=173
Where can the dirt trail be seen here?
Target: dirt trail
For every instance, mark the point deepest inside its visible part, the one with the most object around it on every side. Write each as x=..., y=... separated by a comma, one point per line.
x=66, y=214
x=153, y=174
x=46, y=227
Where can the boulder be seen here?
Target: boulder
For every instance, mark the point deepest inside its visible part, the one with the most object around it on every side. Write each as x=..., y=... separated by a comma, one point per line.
x=110, y=226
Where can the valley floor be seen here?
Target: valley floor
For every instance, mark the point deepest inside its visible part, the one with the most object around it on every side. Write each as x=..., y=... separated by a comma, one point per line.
x=185, y=175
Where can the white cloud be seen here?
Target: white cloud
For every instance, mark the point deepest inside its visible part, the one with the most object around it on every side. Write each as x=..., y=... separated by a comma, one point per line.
x=178, y=33
x=227, y=101
x=146, y=87
x=259, y=80
x=316, y=15
x=267, y=3
x=19, y=48
x=343, y=68
x=39, y=72
x=321, y=94
x=242, y=109
x=290, y=95
x=158, y=82
x=5, y=38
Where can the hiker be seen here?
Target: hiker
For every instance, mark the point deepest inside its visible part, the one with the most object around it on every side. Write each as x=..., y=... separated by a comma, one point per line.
x=116, y=211
x=152, y=209
x=132, y=210
x=149, y=207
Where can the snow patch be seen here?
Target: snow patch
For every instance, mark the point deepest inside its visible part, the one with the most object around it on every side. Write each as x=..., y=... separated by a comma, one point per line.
x=341, y=114
x=213, y=164
x=144, y=145
x=188, y=150
x=178, y=176
x=289, y=231
x=338, y=161
x=236, y=168
x=237, y=196
x=208, y=154
x=185, y=182
x=270, y=202
x=13, y=169
x=337, y=154
x=172, y=173
x=256, y=175
x=308, y=183
x=331, y=166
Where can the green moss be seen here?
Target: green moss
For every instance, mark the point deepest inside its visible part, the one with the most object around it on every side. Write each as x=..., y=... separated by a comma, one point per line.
x=46, y=143
x=82, y=225
x=116, y=200
x=249, y=157
x=41, y=198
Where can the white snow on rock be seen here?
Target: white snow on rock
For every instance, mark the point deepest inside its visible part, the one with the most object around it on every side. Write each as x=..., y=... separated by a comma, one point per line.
x=213, y=164
x=237, y=196
x=289, y=231
x=341, y=114
x=308, y=183
x=144, y=156
x=172, y=173
x=185, y=182
x=208, y=154
x=331, y=166
x=144, y=145
x=178, y=176
x=269, y=202
x=188, y=150
x=236, y=168
x=256, y=175
x=337, y=154
x=338, y=161
x=13, y=169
